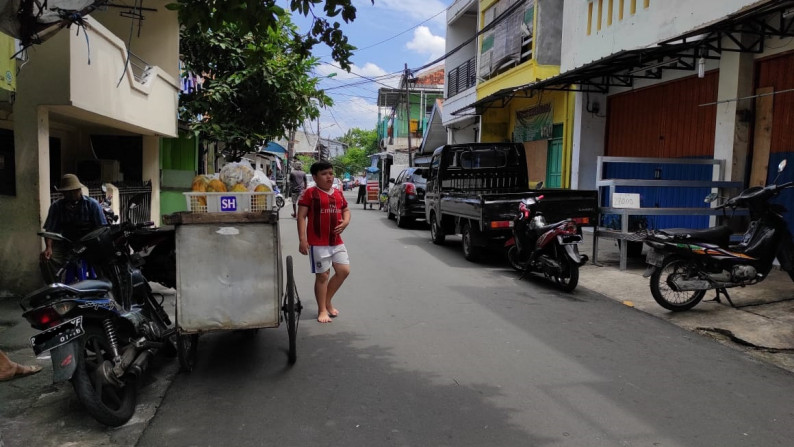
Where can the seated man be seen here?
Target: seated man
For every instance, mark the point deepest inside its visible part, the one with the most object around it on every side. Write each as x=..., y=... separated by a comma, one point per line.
x=73, y=216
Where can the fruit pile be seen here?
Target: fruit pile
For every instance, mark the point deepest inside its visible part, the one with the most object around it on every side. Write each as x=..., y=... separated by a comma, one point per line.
x=234, y=177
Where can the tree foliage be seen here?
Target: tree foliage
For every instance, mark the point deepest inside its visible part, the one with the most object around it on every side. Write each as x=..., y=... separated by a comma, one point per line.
x=255, y=86
x=353, y=161
x=257, y=16
x=360, y=145
x=363, y=139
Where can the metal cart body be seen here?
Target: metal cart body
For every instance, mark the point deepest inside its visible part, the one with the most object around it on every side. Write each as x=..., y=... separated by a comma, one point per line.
x=229, y=275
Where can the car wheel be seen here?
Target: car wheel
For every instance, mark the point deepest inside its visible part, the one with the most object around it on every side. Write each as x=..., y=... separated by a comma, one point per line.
x=402, y=219
x=470, y=251
x=389, y=214
x=436, y=232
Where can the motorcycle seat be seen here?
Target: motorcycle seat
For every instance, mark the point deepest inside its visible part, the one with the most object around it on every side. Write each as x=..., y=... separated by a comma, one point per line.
x=720, y=236
x=92, y=285
x=83, y=288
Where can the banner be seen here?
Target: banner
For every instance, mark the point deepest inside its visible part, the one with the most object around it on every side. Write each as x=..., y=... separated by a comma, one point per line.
x=533, y=124
x=8, y=64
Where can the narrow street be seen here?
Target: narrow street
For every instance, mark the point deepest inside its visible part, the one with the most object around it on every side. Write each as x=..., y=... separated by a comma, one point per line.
x=431, y=350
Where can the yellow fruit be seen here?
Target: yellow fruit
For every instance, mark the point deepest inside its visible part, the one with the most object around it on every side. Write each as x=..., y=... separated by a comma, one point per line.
x=216, y=185
x=239, y=188
x=200, y=183
x=260, y=200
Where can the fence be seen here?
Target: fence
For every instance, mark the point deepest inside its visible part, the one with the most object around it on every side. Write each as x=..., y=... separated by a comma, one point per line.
x=141, y=213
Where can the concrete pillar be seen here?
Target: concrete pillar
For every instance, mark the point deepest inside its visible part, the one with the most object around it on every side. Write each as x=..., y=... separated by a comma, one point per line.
x=589, y=130
x=151, y=172
x=19, y=243
x=732, y=135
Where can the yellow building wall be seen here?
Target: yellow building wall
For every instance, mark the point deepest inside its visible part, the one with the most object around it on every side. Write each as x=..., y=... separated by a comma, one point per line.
x=498, y=122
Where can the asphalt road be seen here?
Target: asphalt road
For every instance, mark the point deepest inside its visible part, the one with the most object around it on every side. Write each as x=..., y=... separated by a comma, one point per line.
x=431, y=350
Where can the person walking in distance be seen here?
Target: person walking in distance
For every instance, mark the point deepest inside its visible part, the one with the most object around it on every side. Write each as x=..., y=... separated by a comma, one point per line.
x=297, y=184
x=322, y=217
x=362, y=190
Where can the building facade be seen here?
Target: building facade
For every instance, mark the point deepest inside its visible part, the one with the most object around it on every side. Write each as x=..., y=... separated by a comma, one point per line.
x=92, y=103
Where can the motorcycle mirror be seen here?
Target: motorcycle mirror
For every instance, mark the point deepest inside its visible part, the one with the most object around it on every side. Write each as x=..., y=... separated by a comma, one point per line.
x=710, y=198
x=781, y=166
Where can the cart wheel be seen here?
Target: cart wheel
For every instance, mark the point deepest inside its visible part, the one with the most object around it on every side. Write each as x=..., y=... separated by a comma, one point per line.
x=187, y=345
x=290, y=308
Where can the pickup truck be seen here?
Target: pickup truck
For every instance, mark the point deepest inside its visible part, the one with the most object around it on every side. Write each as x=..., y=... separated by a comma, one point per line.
x=474, y=190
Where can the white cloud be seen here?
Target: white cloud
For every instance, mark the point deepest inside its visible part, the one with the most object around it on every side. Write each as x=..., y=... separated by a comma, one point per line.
x=369, y=70
x=424, y=42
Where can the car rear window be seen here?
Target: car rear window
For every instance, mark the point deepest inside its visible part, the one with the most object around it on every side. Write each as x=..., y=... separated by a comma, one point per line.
x=419, y=177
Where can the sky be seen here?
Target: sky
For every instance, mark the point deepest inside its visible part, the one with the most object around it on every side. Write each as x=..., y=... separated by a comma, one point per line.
x=388, y=35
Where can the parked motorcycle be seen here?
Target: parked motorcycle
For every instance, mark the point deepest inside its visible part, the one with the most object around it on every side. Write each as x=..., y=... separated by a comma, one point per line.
x=101, y=334
x=279, y=196
x=683, y=264
x=548, y=249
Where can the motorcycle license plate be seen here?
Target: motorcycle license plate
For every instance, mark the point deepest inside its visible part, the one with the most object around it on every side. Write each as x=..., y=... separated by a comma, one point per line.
x=57, y=335
x=654, y=257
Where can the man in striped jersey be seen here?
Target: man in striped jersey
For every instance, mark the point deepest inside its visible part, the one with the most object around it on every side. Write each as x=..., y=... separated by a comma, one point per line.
x=322, y=217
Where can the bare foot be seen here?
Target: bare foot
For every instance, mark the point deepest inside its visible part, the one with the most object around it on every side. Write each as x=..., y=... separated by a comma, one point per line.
x=20, y=371
x=333, y=312
x=323, y=317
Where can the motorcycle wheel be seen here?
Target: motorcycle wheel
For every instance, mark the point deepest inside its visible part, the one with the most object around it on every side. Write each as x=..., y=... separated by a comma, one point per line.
x=664, y=295
x=569, y=278
x=280, y=202
x=512, y=258
x=107, y=403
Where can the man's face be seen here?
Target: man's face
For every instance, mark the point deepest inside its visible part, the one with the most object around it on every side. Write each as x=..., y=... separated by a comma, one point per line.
x=73, y=195
x=325, y=179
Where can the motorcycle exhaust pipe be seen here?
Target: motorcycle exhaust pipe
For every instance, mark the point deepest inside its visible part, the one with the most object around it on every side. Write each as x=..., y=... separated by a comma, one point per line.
x=692, y=285
x=140, y=364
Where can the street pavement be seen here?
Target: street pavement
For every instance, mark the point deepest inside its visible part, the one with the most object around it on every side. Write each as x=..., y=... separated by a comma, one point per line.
x=36, y=412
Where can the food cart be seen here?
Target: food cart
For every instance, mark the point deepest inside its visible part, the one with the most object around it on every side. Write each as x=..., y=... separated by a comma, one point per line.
x=373, y=188
x=229, y=270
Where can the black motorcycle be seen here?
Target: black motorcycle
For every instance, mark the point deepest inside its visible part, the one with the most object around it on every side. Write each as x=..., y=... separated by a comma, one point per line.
x=102, y=333
x=684, y=264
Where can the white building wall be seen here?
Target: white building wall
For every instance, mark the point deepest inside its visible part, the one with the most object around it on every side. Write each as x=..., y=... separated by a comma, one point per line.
x=662, y=20
x=461, y=26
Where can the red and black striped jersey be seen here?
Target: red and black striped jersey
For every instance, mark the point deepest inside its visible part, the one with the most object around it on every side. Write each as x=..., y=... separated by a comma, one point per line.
x=325, y=213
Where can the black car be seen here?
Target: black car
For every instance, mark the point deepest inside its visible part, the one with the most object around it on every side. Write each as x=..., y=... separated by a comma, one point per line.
x=407, y=196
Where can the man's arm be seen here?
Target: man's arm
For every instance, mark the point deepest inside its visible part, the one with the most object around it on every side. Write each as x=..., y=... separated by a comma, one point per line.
x=303, y=246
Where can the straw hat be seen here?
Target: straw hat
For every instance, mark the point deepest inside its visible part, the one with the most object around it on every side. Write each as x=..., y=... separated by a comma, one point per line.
x=70, y=182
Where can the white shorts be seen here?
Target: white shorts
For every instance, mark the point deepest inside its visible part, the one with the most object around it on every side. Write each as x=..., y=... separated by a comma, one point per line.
x=322, y=256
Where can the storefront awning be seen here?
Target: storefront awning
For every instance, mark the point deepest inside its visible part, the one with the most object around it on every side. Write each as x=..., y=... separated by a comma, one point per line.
x=681, y=53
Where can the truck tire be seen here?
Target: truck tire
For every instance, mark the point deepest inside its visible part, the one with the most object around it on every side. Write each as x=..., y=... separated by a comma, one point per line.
x=436, y=231
x=470, y=250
